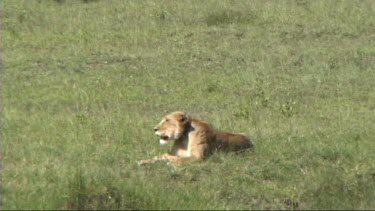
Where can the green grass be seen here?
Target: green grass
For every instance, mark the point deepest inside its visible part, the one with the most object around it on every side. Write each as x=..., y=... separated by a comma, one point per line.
x=86, y=81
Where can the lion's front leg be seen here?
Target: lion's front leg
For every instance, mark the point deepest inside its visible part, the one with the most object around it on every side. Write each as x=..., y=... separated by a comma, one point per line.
x=166, y=156
x=182, y=160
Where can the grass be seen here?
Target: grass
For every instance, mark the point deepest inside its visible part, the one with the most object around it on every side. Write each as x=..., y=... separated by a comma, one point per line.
x=85, y=82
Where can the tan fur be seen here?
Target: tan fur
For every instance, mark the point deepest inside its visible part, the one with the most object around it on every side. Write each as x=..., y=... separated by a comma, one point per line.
x=194, y=139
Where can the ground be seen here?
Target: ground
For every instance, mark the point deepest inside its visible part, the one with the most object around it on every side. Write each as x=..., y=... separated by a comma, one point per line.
x=84, y=83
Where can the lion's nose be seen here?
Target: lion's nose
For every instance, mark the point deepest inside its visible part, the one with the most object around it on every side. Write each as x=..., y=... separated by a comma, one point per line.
x=155, y=129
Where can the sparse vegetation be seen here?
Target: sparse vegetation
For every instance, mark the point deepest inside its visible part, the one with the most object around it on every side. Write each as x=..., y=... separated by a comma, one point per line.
x=84, y=83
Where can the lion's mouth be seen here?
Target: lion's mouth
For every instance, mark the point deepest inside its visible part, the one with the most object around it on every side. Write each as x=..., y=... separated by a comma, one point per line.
x=163, y=137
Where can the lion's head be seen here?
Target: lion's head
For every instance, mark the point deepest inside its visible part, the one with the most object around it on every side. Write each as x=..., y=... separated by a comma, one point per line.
x=172, y=126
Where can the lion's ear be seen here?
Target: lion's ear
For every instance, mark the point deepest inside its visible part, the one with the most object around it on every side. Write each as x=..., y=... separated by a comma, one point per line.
x=185, y=118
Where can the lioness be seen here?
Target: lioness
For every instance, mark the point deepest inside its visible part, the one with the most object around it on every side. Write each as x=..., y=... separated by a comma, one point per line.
x=193, y=139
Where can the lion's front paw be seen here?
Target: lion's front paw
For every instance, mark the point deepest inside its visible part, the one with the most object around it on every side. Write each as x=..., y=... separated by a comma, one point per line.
x=142, y=162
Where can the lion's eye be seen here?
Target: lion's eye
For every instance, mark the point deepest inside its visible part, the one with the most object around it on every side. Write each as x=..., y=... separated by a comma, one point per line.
x=166, y=120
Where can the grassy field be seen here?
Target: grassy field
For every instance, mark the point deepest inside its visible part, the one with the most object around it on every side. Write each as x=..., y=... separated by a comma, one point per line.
x=85, y=82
